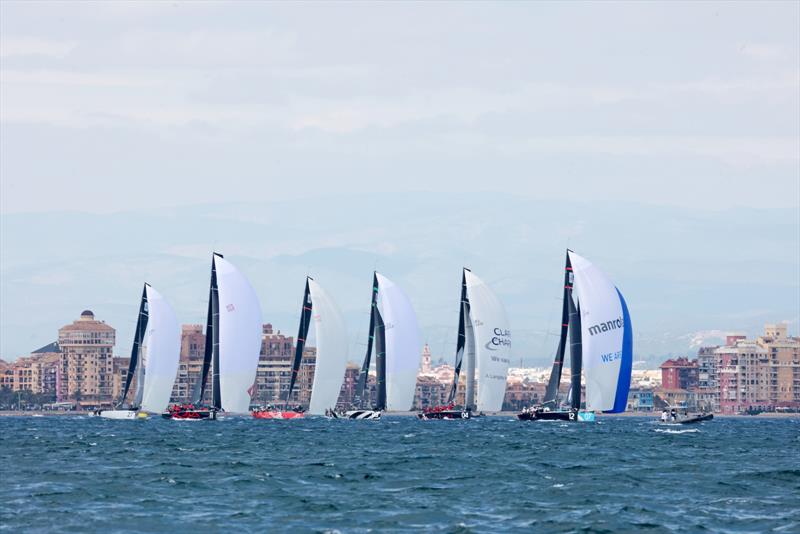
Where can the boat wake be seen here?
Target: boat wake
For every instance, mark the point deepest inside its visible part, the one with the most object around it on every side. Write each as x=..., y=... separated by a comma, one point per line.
x=672, y=431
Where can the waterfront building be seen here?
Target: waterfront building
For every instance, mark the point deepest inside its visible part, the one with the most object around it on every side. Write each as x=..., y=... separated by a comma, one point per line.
x=86, y=361
x=640, y=400
x=680, y=373
x=6, y=375
x=430, y=392
x=707, y=379
x=120, y=376
x=190, y=364
x=38, y=373
x=762, y=374
x=522, y=394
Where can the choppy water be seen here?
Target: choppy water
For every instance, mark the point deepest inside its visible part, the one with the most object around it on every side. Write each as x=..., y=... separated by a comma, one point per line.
x=618, y=475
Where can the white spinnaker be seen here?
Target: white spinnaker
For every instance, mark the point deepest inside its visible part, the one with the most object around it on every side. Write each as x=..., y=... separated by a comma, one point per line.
x=492, y=343
x=161, y=352
x=402, y=345
x=602, y=331
x=331, y=334
x=239, y=336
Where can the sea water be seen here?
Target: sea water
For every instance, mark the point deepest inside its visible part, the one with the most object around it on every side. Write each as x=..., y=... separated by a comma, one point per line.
x=493, y=474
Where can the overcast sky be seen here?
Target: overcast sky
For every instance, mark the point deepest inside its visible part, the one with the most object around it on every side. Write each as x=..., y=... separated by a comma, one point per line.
x=656, y=138
x=115, y=106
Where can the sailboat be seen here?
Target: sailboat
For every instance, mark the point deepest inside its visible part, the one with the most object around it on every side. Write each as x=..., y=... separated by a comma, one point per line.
x=484, y=344
x=233, y=345
x=394, y=333
x=601, y=345
x=154, y=359
x=331, y=361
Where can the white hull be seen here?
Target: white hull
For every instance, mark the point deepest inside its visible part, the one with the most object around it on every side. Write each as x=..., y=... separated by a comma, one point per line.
x=362, y=414
x=122, y=414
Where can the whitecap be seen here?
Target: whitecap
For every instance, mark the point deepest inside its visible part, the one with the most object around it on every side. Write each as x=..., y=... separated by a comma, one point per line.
x=671, y=431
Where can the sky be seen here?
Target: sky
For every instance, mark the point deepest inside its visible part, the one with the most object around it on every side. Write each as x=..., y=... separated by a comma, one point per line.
x=230, y=110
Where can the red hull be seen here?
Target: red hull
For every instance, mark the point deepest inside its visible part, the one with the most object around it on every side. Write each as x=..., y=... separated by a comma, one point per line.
x=277, y=414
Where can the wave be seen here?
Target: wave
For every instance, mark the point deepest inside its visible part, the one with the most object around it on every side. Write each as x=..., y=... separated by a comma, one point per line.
x=671, y=431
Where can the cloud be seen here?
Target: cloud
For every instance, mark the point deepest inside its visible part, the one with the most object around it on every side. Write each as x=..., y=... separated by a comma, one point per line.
x=33, y=46
x=763, y=51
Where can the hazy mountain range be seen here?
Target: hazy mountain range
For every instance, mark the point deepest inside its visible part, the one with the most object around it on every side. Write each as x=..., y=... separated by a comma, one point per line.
x=688, y=276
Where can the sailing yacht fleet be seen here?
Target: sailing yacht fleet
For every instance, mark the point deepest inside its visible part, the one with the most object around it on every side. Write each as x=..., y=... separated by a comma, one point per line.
x=595, y=324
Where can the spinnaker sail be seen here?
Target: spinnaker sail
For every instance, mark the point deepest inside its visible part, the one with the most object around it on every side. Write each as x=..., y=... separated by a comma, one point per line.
x=492, y=343
x=239, y=336
x=403, y=349
x=161, y=352
x=607, y=337
x=331, y=340
x=233, y=338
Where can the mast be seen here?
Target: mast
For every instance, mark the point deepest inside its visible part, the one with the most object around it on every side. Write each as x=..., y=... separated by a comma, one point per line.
x=380, y=361
x=302, y=334
x=575, y=352
x=135, y=365
x=211, y=355
x=551, y=394
x=362, y=376
x=462, y=318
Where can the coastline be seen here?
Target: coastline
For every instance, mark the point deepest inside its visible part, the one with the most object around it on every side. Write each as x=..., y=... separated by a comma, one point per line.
x=649, y=415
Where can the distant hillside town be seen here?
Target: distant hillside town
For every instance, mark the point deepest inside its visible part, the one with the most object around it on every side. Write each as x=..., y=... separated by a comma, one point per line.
x=79, y=371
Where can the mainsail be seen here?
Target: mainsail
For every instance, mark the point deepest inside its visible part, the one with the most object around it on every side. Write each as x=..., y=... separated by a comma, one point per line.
x=302, y=335
x=607, y=337
x=331, y=339
x=134, y=366
x=363, y=375
x=461, y=341
x=233, y=338
x=161, y=351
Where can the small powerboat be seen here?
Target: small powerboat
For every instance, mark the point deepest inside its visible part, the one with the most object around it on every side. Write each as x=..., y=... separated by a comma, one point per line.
x=675, y=418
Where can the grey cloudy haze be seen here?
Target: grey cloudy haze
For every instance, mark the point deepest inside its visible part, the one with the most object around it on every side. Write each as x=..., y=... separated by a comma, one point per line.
x=113, y=105
x=687, y=110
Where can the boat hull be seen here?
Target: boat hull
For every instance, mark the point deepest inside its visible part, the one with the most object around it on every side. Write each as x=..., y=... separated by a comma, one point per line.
x=130, y=415
x=193, y=414
x=277, y=414
x=691, y=420
x=362, y=414
x=557, y=415
x=444, y=415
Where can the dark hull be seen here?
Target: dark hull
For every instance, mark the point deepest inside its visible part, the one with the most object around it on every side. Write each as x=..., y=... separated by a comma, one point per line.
x=547, y=416
x=444, y=415
x=692, y=420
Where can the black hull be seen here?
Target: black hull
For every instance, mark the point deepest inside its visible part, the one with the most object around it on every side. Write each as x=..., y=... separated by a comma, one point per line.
x=692, y=420
x=547, y=416
x=444, y=415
